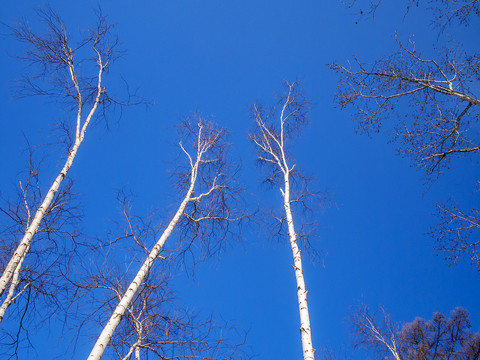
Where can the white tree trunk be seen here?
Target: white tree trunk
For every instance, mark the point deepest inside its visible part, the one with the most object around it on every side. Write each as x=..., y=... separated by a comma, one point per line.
x=11, y=292
x=117, y=315
x=305, y=329
x=133, y=348
x=24, y=246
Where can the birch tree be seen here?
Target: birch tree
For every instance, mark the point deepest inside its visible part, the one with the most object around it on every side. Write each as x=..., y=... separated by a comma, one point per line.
x=54, y=56
x=154, y=324
x=207, y=208
x=42, y=288
x=271, y=137
x=56, y=236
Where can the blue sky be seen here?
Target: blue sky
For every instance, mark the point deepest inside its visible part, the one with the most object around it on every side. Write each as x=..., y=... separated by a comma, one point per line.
x=218, y=57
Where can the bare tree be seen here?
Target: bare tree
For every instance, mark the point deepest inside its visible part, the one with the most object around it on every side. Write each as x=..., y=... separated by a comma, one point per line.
x=206, y=207
x=54, y=56
x=434, y=105
x=56, y=236
x=440, y=338
x=273, y=130
x=448, y=12
x=154, y=325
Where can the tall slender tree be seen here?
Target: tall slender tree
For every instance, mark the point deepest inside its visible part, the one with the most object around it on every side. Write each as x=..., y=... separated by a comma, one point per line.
x=54, y=56
x=273, y=130
x=204, y=213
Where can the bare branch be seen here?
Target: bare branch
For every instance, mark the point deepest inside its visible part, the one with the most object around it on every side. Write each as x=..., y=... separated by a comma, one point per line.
x=436, y=126
x=270, y=137
x=434, y=106
x=206, y=174
x=456, y=233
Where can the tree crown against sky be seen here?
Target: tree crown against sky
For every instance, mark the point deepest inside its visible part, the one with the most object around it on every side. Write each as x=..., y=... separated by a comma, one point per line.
x=433, y=103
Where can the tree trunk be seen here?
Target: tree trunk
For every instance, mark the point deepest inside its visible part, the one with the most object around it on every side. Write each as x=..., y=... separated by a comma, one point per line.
x=117, y=315
x=305, y=329
x=24, y=245
x=11, y=292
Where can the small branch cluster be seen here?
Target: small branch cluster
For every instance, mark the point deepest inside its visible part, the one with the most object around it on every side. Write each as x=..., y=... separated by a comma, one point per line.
x=270, y=136
x=57, y=64
x=456, y=233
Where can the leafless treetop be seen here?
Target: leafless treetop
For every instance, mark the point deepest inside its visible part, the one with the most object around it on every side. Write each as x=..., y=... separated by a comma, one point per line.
x=434, y=102
x=216, y=209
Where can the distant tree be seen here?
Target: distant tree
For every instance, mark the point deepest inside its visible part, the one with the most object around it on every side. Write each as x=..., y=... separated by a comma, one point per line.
x=274, y=130
x=55, y=67
x=204, y=214
x=441, y=338
x=434, y=104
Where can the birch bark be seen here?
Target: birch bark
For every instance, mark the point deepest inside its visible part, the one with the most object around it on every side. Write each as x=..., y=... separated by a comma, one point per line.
x=117, y=315
x=203, y=145
x=14, y=266
x=305, y=329
x=11, y=291
x=270, y=141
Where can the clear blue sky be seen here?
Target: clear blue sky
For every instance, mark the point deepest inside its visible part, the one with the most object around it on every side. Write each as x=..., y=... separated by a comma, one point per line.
x=218, y=57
